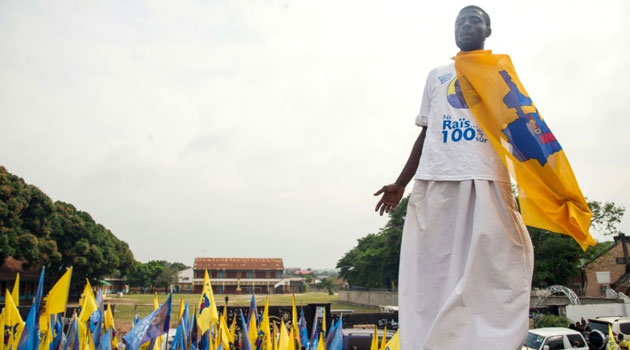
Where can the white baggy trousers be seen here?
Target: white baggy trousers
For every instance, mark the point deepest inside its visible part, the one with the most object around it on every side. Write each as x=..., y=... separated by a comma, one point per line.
x=466, y=265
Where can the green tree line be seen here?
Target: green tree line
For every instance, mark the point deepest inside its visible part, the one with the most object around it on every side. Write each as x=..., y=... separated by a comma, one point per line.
x=42, y=232
x=373, y=262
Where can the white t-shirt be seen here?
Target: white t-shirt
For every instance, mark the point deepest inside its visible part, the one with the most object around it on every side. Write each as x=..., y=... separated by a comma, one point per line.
x=455, y=147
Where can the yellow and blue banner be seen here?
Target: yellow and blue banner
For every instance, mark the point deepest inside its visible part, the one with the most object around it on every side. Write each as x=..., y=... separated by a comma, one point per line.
x=549, y=195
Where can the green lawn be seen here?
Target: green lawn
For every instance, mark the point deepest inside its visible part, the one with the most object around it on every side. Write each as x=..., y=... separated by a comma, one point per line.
x=127, y=306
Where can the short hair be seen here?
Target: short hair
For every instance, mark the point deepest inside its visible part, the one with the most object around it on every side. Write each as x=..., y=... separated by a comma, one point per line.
x=474, y=7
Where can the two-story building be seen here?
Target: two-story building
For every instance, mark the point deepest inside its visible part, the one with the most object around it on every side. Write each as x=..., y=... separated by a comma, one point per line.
x=610, y=269
x=240, y=275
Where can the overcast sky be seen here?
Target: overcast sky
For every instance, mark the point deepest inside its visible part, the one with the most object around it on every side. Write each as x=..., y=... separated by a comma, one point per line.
x=262, y=128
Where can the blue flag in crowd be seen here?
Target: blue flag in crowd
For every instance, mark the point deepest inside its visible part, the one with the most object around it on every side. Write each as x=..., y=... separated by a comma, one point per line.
x=56, y=322
x=245, y=344
x=252, y=308
x=72, y=342
x=337, y=338
x=302, y=329
x=331, y=334
x=150, y=327
x=106, y=341
x=314, y=337
x=204, y=344
x=30, y=333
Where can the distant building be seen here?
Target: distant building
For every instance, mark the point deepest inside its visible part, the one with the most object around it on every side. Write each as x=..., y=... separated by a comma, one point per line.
x=610, y=269
x=28, y=279
x=240, y=275
x=113, y=285
x=185, y=281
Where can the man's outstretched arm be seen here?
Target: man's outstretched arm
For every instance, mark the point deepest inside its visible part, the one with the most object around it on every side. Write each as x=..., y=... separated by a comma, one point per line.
x=392, y=194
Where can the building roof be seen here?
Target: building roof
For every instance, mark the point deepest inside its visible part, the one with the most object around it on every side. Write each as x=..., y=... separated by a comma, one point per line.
x=12, y=266
x=238, y=264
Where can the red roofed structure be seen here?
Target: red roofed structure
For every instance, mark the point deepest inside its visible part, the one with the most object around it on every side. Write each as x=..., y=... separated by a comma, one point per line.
x=240, y=275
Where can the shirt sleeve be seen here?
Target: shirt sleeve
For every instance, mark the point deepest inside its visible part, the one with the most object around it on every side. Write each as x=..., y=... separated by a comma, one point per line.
x=422, y=119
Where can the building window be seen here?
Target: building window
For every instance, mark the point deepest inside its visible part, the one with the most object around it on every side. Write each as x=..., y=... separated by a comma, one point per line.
x=220, y=291
x=250, y=274
x=221, y=276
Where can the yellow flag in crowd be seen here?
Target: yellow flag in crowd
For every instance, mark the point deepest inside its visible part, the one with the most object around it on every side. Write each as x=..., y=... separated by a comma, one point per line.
x=384, y=339
x=11, y=319
x=109, y=318
x=321, y=345
x=206, y=308
x=265, y=327
x=157, y=344
x=87, y=302
x=181, y=310
x=55, y=301
x=45, y=331
x=295, y=320
x=611, y=344
x=253, y=329
x=283, y=342
x=374, y=345
x=292, y=340
x=224, y=334
x=233, y=327
x=16, y=290
x=394, y=342
x=549, y=194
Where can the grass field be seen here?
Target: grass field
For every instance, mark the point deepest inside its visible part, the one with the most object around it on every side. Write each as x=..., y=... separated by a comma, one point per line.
x=130, y=304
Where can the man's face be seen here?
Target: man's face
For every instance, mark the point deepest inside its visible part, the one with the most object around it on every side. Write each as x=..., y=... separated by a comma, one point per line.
x=471, y=30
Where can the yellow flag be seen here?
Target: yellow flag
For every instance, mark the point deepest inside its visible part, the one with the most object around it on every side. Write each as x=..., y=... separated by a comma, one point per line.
x=206, y=308
x=225, y=335
x=2, y=346
x=15, y=293
x=394, y=342
x=109, y=318
x=181, y=310
x=549, y=194
x=88, y=303
x=611, y=344
x=374, y=345
x=283, y=342
x=157, y=344
x=253, y=329
x=324, y=322
x=294, y=320
x=265, y=326
x=11, y=318
x=55, y=301
x=274, y=336
x=45, y=331
x=292, y=340
x=322, y=343
x=233, y=327
x=384, y=339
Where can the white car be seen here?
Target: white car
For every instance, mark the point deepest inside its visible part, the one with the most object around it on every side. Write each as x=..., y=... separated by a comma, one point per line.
x=554, y=338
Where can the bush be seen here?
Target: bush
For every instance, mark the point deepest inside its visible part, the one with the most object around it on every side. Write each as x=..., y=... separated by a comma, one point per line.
x=551, y=321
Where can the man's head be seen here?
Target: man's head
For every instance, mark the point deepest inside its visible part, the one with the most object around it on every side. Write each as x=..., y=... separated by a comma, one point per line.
x=472, y=27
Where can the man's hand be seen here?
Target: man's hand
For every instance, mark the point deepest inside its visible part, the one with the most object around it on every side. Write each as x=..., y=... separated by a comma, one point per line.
x=392, y=194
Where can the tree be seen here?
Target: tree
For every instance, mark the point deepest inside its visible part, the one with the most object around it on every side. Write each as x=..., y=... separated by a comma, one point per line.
x=41, y=232
x=373, y=263
x=558, y=258
x=328, y=284
x=154, y=274
x=25, y=222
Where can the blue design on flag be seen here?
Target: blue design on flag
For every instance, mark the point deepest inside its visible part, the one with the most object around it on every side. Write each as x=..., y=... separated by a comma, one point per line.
x=204, y=304
x=150, y=327
x=529, y=135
